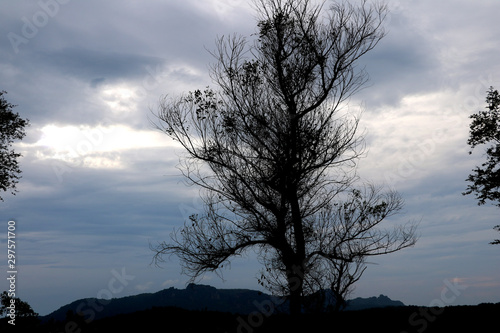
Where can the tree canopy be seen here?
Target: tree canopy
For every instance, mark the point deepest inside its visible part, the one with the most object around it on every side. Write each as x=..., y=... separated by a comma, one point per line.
x=485, y=130
x=11, y=128
x=22, y=309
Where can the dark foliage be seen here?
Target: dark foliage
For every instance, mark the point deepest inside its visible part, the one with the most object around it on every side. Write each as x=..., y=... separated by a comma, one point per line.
x=22, y=309
x=19, y=315
x=485, y=130
x=11, y=128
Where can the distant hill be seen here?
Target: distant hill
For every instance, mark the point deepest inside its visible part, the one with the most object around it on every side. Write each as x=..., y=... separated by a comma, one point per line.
x=194, y=297
x=372, y=302
x=198, y=298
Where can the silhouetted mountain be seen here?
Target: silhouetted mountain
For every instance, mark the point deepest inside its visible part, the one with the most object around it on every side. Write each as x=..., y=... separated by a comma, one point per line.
x=194, y=297
x=372, y=302
x=324, y=301
x=198, y=298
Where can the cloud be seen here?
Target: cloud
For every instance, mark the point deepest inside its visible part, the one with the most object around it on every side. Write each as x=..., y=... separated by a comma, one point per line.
x=144, y=287
x=90, y=65
x=169, y=283
x=95, y=147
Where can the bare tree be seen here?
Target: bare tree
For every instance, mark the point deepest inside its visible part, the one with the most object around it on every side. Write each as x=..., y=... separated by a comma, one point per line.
x=276, y=154
x=345, y=234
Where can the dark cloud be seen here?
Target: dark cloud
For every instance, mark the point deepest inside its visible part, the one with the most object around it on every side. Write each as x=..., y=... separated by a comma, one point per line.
x=97, y=82
x=91, y=65
x=404, y=62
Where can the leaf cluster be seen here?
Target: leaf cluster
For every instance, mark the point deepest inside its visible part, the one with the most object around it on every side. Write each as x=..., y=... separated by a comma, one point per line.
x=22, y=309
x=11, y=129
x=485, y=130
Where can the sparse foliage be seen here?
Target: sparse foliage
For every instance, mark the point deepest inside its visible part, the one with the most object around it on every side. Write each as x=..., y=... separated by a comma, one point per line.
x=11, y=128
x=485, y=130
x=276, y=154
x=496, y=241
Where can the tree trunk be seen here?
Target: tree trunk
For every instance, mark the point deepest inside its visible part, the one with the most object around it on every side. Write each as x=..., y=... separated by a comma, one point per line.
x=295, y=285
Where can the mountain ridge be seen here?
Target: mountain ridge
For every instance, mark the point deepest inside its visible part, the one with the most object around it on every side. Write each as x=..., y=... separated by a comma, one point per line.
x=195, y=297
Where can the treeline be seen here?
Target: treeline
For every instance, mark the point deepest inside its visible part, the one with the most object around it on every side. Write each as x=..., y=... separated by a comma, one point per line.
x=409, y=319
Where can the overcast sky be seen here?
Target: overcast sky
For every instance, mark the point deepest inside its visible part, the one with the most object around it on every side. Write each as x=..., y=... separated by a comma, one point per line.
x=100, y=184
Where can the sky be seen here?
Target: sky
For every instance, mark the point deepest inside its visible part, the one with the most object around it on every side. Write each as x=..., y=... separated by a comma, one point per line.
x=100, y=183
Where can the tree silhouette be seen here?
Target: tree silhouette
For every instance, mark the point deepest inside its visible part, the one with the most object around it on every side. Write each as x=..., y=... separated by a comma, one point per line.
x=11, y=128
x=276, y=154
x=22, y=309
x=485, y=130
